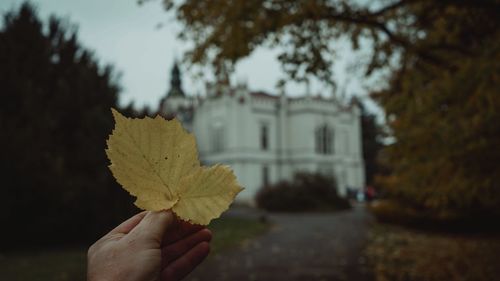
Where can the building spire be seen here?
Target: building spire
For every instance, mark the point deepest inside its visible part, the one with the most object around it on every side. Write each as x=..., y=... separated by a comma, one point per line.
x=176, y=82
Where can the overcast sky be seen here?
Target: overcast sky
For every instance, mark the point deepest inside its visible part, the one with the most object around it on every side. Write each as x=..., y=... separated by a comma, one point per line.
x=127, y=35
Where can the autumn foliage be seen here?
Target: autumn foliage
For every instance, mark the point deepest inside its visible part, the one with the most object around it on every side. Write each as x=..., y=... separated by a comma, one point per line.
x=445, y=118
x=441, y=97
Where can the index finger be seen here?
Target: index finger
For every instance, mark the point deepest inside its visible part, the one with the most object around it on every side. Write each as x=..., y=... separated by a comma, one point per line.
x=126, y=226
x=178, y=230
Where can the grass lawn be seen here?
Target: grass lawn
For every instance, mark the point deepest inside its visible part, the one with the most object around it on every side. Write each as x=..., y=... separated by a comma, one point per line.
x=402, y=254
x=70, y=264
x=54, y=264
x=230, y=232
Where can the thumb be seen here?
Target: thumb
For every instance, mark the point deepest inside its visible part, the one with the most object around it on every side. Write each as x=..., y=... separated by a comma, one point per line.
x=153, y=226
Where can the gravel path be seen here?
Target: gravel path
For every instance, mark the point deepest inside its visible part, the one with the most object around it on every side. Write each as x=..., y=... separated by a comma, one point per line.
x=306, y=247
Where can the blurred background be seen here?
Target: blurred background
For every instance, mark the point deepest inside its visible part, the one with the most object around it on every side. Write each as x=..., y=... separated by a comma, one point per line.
x=366, y=133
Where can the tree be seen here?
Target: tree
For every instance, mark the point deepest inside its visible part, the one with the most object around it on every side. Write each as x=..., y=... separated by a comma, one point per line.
x=55, y=118
x=446, y=126
x=440, y=99
x=443, y=116
x=372, y=135
x=226, y=31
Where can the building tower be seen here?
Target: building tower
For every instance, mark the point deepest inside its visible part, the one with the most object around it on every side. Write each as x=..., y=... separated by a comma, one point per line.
x=176, y=103
x=176, y=82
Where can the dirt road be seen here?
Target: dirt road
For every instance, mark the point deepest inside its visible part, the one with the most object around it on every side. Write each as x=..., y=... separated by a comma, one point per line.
x=305, y=247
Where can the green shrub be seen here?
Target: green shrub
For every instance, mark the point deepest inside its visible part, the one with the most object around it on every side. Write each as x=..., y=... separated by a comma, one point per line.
x=307, y=192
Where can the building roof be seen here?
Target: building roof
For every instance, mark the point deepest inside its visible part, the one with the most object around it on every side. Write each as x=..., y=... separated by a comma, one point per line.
x=262, y=94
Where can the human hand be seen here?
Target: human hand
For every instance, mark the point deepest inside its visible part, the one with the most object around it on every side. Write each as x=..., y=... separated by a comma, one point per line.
x=150, y=246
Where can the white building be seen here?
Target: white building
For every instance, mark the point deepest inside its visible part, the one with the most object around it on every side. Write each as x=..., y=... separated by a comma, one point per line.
x=267, y=138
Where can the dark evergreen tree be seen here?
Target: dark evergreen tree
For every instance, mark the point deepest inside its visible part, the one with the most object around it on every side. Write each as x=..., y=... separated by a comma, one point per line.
x=54, y=120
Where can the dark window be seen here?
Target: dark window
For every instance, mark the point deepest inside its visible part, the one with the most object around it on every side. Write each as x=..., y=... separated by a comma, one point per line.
x=264, y=137
x=324, y=140
x=265, y=175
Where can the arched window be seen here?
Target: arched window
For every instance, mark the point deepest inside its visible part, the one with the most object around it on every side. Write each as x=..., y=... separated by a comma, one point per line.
x=324, y=140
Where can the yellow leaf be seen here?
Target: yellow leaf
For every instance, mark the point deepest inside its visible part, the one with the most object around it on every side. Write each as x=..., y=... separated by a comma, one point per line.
x=156, y=161
x=205, y=192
